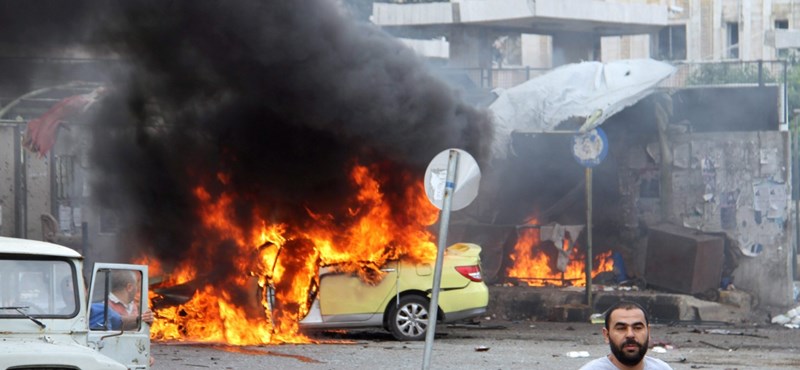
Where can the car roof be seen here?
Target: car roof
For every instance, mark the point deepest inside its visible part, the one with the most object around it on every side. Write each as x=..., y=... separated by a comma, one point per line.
x=26, y=246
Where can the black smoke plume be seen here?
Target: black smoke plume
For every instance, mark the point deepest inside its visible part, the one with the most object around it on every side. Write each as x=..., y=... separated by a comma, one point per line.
x=273, y=101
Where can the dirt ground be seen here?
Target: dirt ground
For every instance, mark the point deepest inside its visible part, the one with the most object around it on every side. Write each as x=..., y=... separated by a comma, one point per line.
x=493, y=344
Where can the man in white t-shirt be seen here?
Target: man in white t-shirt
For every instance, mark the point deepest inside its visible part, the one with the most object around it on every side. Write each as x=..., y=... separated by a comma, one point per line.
x=627, y=332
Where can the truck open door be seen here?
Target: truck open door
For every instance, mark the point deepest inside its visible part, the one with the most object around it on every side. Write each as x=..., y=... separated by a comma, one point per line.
x=117, y=298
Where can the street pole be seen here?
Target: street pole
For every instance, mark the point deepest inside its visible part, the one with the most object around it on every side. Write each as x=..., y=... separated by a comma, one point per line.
x=433, y=310
x=589, y=237
x=794, y=136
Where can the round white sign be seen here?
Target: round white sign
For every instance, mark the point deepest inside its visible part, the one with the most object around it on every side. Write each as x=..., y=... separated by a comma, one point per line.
x=590, y=148
x=465, y=185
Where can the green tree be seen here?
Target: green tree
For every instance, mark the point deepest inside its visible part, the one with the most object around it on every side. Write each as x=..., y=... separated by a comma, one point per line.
x=793, y=87
x=747, y=72
x=727, y=73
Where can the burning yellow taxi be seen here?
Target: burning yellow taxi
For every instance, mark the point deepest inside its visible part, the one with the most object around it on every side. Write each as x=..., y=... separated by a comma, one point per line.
x=399, y=301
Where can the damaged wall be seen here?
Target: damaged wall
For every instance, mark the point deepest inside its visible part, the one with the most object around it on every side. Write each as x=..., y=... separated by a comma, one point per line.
x=7, y=224
x=37, y=184
x=734, y=183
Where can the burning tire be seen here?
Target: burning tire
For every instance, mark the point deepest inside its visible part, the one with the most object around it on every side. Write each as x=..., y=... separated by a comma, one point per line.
x=408, y=321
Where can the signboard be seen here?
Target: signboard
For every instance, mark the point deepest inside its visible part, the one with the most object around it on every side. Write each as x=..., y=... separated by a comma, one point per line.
x=590, y=148
x=468, y=177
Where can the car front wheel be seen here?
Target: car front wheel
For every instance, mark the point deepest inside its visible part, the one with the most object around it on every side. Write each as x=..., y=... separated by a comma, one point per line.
x=409, y=320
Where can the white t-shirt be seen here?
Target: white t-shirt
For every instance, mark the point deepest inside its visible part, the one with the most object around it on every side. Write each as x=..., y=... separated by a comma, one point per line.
x=604, y=363
x=129, y=307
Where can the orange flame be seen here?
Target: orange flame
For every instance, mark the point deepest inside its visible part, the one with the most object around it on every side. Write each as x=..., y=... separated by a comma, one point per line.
x=531, y=264
x=374, y=229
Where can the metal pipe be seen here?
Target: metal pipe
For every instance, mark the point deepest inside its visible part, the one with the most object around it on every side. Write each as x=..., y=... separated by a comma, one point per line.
x=795, y=181
x=785, y=92
x=449, y=189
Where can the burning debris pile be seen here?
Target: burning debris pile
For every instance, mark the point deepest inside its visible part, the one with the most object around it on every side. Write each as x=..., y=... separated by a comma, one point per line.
x=552, y=259
x=245, y=143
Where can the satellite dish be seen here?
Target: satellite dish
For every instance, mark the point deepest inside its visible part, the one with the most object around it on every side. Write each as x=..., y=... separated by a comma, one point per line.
x=467, y=179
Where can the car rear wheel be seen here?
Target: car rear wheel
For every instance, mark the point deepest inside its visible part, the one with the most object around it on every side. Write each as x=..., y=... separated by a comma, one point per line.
x=409, y=320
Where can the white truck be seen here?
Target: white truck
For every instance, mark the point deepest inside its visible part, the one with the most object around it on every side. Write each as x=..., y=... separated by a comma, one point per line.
x=45, y=311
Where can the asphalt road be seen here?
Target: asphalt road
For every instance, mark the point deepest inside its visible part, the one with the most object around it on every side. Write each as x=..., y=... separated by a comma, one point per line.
x=499, y=345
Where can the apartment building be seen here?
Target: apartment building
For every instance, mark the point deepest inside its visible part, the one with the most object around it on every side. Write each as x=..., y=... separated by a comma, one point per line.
x=549, y=33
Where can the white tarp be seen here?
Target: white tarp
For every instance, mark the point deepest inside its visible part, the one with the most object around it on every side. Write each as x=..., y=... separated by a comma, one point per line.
x=573, y=90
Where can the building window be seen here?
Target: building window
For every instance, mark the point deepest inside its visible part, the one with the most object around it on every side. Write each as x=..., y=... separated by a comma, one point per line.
x=732, y=40
x=672, y=43
x=65, y=177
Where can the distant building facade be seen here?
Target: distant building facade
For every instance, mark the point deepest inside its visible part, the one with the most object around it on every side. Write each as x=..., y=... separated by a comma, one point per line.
x=549, y=33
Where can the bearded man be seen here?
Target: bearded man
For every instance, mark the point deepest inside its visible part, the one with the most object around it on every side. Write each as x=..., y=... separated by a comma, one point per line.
x=627, y=332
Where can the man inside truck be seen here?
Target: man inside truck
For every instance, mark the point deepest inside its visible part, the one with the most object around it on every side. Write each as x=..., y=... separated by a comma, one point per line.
x=123, y=311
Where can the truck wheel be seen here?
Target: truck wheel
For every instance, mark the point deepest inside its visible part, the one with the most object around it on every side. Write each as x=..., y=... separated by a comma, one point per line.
x=408, y=321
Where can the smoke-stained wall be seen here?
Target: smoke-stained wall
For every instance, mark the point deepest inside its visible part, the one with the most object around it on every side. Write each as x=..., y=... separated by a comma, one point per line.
x=38, y=201
x=730, y=183
x=7, y=203
x=35, y=199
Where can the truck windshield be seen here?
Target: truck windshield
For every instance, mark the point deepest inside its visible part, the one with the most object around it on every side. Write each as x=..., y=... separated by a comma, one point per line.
x=37, y=288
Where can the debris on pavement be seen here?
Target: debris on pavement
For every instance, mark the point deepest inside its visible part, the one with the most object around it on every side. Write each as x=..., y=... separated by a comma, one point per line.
x=728, y=332
x=659, y=349
x=717, y=346
x=791, y=319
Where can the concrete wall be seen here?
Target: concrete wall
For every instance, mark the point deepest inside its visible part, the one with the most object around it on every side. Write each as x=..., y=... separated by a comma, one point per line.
x=620, y=48
x=536, y=50
x=734, y=183
x=36, y=183
x=747, y=176
x=38, y=193
x=623, y=12
x=7, y=204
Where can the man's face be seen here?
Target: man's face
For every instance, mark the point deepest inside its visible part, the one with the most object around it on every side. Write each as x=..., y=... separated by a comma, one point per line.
x=627, y=335
x=130, y=293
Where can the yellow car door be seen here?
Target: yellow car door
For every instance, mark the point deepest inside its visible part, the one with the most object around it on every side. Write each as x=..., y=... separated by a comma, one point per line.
x=345, y=297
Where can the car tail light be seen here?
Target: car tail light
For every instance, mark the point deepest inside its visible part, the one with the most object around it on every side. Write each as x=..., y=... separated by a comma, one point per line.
x=470, y=272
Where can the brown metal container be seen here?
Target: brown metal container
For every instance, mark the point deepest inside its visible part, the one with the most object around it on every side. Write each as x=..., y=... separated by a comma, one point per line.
x=683, y=260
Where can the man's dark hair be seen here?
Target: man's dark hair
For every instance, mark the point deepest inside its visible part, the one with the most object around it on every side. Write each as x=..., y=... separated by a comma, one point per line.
x=626, y=305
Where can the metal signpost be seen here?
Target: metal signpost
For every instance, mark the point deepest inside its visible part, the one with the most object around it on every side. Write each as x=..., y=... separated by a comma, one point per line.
x=451, y=183
x=589, y=149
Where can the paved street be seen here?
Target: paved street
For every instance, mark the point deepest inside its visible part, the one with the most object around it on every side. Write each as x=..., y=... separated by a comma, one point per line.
x=508, y=345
